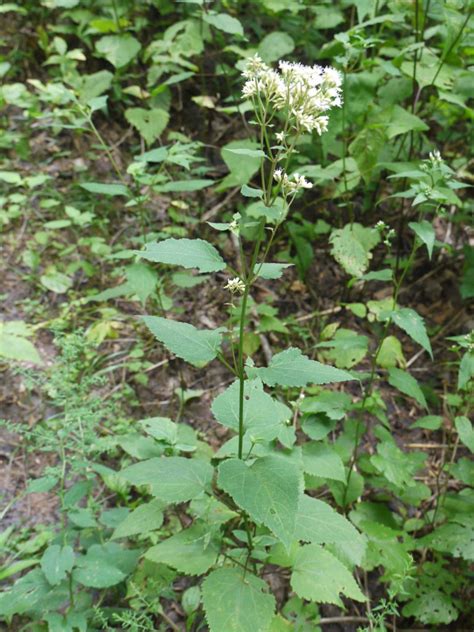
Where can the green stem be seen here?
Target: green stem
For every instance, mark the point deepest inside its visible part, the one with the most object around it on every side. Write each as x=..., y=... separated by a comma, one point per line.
x=241, y=367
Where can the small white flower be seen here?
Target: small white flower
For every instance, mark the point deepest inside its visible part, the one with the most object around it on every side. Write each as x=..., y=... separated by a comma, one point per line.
x=278, y=174
x=435, y=158
x=280, y=136
x=235, y=285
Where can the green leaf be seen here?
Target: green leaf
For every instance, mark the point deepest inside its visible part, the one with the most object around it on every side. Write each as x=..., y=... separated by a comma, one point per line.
x=317, y=522
x=394, y=464
x=188, y=253
x=105, y=565
x=292, y=368
x=119, y=50
x=391, y=353
x=105, y=189
x=188, y=551
x=150, y=123
x=145, y=518
x=425, y=231
x=322, y=460
x=241, y=170
x=268, y=490
x=248, y=153
x=141, y=280
x=319, y=576
x=351, y=247
x=270, y=270
x=406, y=384
x=56, y=282
x=235, y=602
x=465, y=431
x=403, y=121
x=183, y=186
x=173, y=479
x=411, y=322
x=433, y=608
x=224, y=22
x=346, y=349
x=196, y=346
x=14, y=345
x=275, y=46
x=56, y=563
x=263, y=415
x=429, y=422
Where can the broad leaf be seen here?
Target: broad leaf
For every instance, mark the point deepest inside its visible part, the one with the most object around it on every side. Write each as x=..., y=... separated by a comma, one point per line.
x=321, y=577
x=143, y=519
x=319, y=523
x=188, y=551
x=322, y=460
x=150, y=123
x=465, y=431
x=105, y=565
x=270, y=270
x=292, y=368
x=241, y=168
x=351, y=247
x=224, y=22
x=268, y=490
x=235, y=602
x=196, y=346
x=189, y=253
x=56, y=563
x=403, y=121
x=173, y=479
x=263, y=415
x=425, y=231
x=406, y=384
x=275, y=45
x=119, y=50
x=411, y=322
x=105, y=189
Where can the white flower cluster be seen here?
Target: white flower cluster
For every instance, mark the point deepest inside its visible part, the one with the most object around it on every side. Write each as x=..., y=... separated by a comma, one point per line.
x=306, y=92
x=235, y=285
x=436, y=158
x=291, y=184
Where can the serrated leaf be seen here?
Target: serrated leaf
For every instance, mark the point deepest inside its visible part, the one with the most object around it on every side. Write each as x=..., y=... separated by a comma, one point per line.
x=292, y=368
x=322, y=460
x=188, y=253
x=196, y=346
x=188, y=551
x=268, y=490
x=425, y=231
x=263, y=415
x=235, y=602
x=406, y=384
x=270, y=270
x=17, y=347
x=143, y=519
x=318, y=523
x=319, y=576
x=241, y=170
x=412, y=323
x=56, y=563
x=173, y=479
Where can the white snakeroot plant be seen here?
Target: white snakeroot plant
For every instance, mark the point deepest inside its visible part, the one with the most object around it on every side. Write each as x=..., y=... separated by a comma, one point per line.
x=247, y=502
